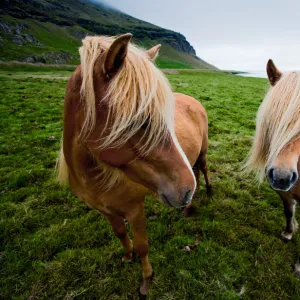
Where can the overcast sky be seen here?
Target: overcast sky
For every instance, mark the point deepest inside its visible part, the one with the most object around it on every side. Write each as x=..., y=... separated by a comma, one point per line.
x=230, y=34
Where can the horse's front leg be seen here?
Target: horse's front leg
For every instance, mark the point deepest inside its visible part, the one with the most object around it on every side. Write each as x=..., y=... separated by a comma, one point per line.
x=289, y=211
x=120, y=231
x=137, y=221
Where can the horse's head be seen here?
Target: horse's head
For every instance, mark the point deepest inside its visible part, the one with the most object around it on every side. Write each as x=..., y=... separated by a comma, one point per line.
x=130, y=118
x=282, y=173
x=281, y=118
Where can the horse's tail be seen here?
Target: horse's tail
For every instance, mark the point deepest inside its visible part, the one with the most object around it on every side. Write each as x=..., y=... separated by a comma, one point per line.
x=62, y=170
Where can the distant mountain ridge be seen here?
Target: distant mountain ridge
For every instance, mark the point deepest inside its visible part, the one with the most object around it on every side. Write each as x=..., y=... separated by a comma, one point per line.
x=50, y=31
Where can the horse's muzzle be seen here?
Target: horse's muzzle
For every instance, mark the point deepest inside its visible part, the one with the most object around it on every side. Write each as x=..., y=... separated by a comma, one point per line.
x=181, y=199
x=281, y=179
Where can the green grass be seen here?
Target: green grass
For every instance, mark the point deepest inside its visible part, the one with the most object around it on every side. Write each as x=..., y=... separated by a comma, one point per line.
x=53, y=38
x=53, y=247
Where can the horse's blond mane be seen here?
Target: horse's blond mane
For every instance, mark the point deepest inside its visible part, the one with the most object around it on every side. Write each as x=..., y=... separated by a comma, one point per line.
x=138, y=93
x=277, y=123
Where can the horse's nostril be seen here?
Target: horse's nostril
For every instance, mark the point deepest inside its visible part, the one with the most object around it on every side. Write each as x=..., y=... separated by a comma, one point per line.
x=282, y=179
x=271, y=174
x=187, y=197
x=295, y=177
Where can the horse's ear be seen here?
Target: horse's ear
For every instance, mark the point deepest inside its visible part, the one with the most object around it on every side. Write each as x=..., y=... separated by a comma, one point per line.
x=115, y=55
x=273, y=73
x=153, y=52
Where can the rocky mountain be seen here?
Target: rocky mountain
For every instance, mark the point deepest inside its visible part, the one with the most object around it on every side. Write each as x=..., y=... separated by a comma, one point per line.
x=50, y=31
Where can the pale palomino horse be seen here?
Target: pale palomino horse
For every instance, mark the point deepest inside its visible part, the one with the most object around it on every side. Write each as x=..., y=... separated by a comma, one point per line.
x=126, y=135
x=276, y=147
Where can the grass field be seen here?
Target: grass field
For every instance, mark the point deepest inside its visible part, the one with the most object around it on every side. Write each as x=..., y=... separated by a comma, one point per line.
x=54, y=247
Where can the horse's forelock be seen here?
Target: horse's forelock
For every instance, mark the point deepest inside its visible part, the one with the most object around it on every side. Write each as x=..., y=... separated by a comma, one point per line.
x=277, y=123
x=139, y=92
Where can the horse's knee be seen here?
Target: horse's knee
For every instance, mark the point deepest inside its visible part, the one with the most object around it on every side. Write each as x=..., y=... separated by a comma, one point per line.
x=120, y=234
x=141, y=249
x=118, y=227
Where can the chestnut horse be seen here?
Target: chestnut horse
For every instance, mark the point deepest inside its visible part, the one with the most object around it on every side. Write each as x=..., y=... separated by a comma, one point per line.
x=276, y=148
x=120, y=141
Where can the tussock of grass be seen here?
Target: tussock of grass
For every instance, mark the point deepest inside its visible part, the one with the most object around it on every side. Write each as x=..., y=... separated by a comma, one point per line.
x=54, y=247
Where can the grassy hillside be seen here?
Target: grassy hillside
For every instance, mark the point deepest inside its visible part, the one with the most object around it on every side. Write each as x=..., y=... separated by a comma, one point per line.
x=50, y=31
x=53, y=247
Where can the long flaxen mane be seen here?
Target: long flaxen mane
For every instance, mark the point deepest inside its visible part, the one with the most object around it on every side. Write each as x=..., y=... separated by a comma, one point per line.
x=138, y=94
x=277, y=123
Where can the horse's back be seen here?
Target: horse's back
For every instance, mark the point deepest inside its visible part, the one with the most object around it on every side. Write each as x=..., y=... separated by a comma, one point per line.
x=191, y=126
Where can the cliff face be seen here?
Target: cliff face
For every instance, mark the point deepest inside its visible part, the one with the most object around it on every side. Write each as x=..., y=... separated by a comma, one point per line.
x=32, y=24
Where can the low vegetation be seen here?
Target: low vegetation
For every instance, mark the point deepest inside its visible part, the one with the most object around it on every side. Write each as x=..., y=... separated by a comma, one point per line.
x=52, y=246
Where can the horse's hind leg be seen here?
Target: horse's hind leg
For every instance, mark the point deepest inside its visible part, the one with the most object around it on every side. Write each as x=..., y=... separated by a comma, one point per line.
x=204, y=170
x=196, y=169
x=291, y=223
x=120, y=231
x=199, y=165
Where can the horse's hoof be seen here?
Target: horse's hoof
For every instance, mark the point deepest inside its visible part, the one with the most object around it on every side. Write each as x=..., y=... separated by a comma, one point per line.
x=141, y=296
x=286, y=237
x=127, y=258
x=144, y=289
x=297, y=270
